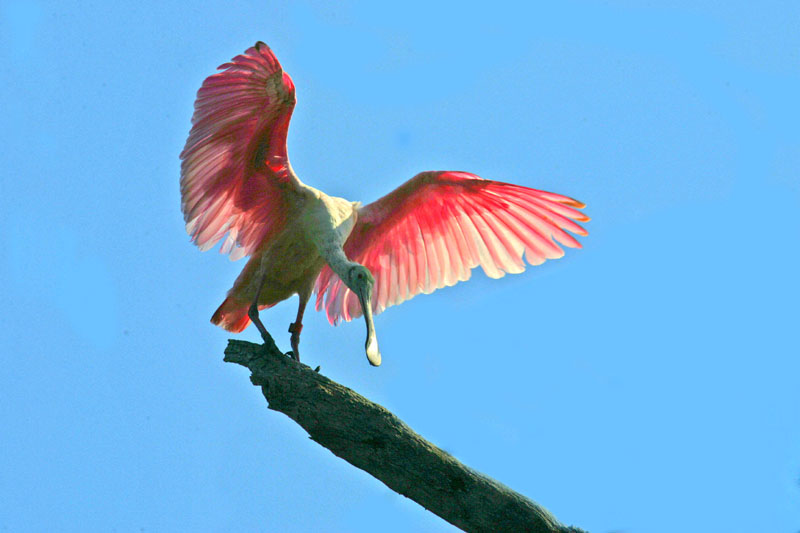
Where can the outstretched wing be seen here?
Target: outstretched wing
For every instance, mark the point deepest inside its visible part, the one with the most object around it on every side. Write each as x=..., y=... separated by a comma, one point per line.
x=434, y=229
x=235, y=172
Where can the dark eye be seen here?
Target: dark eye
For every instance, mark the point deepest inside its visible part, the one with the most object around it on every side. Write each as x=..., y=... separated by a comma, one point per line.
x=360, y=275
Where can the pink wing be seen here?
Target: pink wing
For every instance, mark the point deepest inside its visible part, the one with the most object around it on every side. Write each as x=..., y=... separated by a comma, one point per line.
x=434, y=229
x=235, y=171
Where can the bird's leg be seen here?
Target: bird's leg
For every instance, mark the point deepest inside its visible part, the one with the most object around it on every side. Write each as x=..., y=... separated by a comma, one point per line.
x=253, y=314
x=297, y=326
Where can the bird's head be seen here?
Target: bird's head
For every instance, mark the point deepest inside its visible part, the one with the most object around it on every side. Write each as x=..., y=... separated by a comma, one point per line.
x=359, y=276
x=360, y=281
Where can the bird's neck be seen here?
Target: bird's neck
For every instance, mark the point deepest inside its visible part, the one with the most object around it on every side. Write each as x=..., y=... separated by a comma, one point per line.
x=338, y=262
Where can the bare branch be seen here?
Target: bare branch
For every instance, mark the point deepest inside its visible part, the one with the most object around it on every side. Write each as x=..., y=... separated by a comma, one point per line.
x=368, y=436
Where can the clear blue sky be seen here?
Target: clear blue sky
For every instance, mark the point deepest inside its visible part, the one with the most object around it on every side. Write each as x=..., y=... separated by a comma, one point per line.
x=647, y=383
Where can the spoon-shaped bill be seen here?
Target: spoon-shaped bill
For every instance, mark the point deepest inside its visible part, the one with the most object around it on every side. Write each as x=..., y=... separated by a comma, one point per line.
x=371, y=346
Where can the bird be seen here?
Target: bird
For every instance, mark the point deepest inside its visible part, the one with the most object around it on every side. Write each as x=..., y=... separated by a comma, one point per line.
x=237, y=186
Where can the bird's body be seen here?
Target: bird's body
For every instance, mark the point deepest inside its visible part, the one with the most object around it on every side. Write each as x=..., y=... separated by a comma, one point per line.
x=237, y=185
x=290, y=263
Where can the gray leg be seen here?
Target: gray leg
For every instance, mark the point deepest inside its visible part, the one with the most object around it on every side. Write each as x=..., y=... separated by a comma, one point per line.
x=253, y=314
x=297, y=326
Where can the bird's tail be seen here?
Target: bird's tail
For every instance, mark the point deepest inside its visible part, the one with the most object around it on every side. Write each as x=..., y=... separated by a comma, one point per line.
x=232, y=315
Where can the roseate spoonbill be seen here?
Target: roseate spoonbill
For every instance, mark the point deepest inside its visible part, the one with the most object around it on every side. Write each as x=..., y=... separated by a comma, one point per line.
x=237, y=185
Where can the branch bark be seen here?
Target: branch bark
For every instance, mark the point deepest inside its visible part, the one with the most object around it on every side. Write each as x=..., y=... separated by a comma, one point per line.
x=371, y=438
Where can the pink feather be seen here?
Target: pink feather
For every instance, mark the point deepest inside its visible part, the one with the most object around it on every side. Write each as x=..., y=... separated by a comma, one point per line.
x=431, y=231
x=235, y=168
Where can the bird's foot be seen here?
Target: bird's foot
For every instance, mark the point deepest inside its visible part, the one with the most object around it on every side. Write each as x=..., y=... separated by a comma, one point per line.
x=267, y=338
x=269, y=343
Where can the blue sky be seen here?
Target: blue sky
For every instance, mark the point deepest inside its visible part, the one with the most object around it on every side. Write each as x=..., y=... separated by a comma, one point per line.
x=646, y=383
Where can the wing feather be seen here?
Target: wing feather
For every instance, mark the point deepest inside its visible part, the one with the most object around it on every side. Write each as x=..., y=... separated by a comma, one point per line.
x=457, y=248
x=434, y=229
x=235, y=172
x=433, y=267
x=489, y=258
x=409, y=242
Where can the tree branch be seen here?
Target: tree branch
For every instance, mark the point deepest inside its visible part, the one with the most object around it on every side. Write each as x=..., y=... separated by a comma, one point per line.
x=368, y=436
